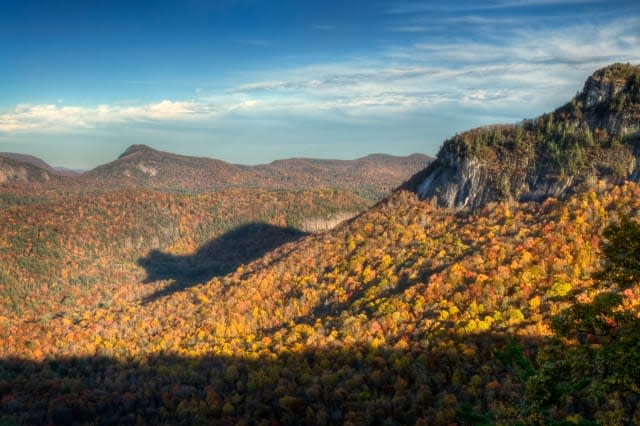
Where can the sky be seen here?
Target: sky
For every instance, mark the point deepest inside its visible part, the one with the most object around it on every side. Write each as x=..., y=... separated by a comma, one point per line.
x=251, y=81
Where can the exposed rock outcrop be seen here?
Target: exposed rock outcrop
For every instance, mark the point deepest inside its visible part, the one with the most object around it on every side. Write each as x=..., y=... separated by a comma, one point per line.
x=322, y=224
x=20, y=173
x=40, y=163
x=457, y=181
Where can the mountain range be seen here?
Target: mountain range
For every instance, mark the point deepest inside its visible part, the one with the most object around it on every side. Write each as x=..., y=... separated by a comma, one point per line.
x=144, y=167
x=593, y=136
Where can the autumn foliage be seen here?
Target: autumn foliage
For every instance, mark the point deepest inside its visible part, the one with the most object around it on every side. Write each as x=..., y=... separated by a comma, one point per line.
x=406, y=314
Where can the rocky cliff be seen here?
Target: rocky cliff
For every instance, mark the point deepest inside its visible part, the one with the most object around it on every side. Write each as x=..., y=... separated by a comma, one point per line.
x=596, y=135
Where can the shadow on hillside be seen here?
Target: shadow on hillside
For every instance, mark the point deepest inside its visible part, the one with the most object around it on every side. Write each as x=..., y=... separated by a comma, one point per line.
x=218, y=257
x=355, y=384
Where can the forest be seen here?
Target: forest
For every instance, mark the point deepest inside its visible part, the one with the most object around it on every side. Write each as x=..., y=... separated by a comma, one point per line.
x=405, y=314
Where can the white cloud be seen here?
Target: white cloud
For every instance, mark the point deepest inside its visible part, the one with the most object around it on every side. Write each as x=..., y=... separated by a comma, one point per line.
x=520, y=72
x=408, y=29
x=407, y=8
x=323, y=27
x=56, y=118
x=528, y=3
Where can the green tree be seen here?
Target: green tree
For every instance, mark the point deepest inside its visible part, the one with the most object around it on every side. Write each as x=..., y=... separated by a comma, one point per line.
x=604, y=360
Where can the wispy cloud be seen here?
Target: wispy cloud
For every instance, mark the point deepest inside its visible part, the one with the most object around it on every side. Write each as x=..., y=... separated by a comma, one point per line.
x=408, y=8
x=57, y=118
x=408, y=29
x=529, y=3
x=516, y=72
x=254, y=42
x=521, y=66
x=323, y=27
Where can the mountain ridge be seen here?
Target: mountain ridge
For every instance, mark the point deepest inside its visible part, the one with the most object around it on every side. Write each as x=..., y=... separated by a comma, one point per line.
x=143, y=166
x=595, y=135
x=19, y=172
x=139, y=165
x=39, y=162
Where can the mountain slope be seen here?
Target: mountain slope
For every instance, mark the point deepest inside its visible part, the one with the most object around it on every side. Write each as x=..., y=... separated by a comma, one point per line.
x=18, y=172
x=596, y=135
x=85, y=246
x=376, y=173
x=40, y=163
x=141, y=166
x=408, y=313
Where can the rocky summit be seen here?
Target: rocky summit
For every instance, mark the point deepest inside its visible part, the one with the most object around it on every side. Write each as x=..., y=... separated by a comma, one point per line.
x=594, y=136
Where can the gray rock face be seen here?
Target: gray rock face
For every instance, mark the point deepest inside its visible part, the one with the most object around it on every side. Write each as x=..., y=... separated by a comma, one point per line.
x=598, y=92
x=598, y=89
x=12, y=171
x=635, y=174
x=547, y=187
x=470, y=183
x=8, y=173
x=456, y=182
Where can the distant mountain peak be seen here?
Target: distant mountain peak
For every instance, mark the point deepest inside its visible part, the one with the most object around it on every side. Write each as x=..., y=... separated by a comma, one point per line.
x=38, y=162
x=135, y=149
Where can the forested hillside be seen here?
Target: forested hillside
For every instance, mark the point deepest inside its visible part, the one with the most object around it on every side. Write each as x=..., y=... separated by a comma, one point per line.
x=408, y=313
x=61, y=249
x=40, y=163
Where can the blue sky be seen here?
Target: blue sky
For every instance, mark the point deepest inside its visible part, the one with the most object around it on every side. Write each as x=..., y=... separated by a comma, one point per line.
x=250, y=81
